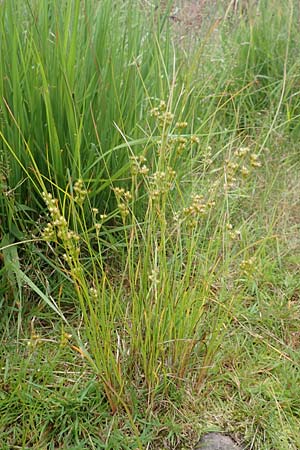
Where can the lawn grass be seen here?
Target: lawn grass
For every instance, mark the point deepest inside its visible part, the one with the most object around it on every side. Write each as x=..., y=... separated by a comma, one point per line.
x=149, y=221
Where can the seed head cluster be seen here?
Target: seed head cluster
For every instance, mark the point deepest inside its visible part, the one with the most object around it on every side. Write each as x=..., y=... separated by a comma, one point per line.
x=199, y=208
x=233, y=233
x=80, y=192
x=161, y=182
x=123, y=200
x=173, y=141
x=239, y=167
x=57, y=230
x=154, y=276
x=161, y=114
x=93, y=293
x=138, y=166
x=247, y=266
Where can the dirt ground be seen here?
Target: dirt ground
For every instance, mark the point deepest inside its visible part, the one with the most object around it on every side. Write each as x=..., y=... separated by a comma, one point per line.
x=189, y=17
x=189, y=14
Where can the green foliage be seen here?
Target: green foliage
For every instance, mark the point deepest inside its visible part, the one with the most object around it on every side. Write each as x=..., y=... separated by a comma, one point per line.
x=262, y=64
x=144, y=226
x=71, y=75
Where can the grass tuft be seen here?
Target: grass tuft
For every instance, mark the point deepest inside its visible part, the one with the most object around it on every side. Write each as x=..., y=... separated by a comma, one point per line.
x=148, y=226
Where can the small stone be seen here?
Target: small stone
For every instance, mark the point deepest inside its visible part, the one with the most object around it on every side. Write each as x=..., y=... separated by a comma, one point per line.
x=216, y=441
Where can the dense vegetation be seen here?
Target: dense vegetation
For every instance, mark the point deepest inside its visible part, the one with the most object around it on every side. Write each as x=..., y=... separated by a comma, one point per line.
x=148, y=225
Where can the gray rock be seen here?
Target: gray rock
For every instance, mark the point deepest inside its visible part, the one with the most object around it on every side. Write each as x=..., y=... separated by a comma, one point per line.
x=216, y=441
